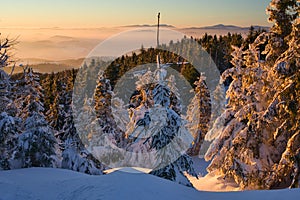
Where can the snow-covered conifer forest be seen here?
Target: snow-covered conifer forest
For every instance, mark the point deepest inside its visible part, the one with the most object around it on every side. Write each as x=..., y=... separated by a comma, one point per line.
x=253, y=142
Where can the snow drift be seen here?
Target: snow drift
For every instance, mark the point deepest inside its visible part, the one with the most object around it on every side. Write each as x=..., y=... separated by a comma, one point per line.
x=46, y=183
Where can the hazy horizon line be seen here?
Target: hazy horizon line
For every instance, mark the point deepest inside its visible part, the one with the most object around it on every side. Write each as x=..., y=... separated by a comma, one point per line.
x=128, y=26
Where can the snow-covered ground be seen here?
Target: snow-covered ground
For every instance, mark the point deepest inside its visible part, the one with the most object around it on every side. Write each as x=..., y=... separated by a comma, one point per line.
x=213, y=183
x=46, y=183
x=209, y=182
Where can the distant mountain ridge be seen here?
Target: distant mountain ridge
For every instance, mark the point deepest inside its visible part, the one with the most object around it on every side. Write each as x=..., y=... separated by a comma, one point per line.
x=148, y=25
x=228, y=27
x=69, y=62
x=213, y=27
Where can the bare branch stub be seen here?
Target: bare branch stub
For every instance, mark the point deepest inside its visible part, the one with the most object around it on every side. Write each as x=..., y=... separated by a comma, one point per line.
x=6, y=45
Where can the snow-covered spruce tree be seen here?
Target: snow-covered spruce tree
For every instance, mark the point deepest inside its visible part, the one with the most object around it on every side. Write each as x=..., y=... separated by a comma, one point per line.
x=103, y=95
x=284, y=110
x=5, y=87
x=96, y=126
x=236, y=150
x=8, y=124
x=282, y=13
x=85, y=114
x=74, y=153
x=36, y=145
x=60, y=108
x=79, y=85
x=28, y=94
x=257, y=144
x=138, y=130
x=172, y=128
x=198, y=115
x=175, y=102
x=154, y=125
x=58, y=95
x=8, y=139
x=65, y=123
x=77, y=158
x=56, y=112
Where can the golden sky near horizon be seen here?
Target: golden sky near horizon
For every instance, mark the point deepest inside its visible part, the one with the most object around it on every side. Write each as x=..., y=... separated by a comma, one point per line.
x=63, y=29
x=104, y=13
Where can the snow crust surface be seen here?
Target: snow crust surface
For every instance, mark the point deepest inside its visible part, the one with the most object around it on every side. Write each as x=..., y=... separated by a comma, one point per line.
x=49, y=183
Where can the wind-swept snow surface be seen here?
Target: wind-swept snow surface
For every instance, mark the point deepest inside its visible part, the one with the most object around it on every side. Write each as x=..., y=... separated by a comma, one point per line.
x=46, y=183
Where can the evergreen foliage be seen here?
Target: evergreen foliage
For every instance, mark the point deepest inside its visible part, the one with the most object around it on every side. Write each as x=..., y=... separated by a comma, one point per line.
x=258, y=143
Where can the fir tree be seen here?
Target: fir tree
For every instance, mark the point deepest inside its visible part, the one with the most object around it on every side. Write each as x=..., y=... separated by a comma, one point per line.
x=103, y=96
x=74, y=140
x=5, y=88
x=235, y=127
x=8, y=140
x=198, y=115
x=155, y=127
x=284, y=111
x=8, y=124
x=76, y=158
x=258, y=142
x=29, y=94
x=282, y=14
x=36, y=146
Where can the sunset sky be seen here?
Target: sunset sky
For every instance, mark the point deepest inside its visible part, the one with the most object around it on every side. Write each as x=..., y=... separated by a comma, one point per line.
x=110, y=13
x=67, y=29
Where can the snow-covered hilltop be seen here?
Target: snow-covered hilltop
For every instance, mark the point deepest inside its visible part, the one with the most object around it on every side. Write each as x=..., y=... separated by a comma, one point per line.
x=46, y=183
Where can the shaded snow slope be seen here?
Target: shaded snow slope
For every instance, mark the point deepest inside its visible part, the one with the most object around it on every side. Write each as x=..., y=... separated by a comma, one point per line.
x=45, y=183
x=200, y=166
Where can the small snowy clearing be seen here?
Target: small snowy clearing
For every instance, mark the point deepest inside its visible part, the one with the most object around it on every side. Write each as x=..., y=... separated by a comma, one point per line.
x=209, y=181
